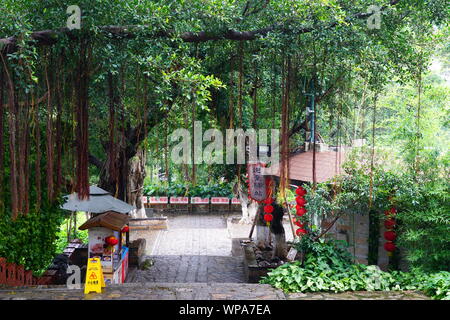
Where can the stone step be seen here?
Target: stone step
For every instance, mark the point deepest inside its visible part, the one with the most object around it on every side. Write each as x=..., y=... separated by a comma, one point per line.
x=150, y=291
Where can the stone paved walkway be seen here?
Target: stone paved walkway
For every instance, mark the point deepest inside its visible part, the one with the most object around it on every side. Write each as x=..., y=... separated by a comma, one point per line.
x=153, y=291
x=196, y=291
x=195, y=248
x=194, y=235
x=192, y=269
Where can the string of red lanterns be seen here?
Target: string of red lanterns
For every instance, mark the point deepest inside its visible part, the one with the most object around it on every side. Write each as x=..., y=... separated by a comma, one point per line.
x=390, y=234
x=268, y=209
x=300, y=210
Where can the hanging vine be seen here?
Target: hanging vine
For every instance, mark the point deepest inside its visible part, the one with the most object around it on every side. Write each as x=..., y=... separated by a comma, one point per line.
x=2, y=152
x=284, y=170
x=81, y=88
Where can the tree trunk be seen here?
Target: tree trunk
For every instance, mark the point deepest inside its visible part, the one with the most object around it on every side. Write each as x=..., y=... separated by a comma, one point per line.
x=126, y=182
x=249, y=207
x=136, y=184
x=262, y=233
x=278, y=234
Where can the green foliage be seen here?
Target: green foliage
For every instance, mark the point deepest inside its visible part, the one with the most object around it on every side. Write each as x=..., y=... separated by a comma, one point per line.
x=332, y=252
x=61, y=241
x=222, y=189
x=437, y=285
x=420, y=199
x=326, y=267
x=425, y=230
x=31, y=239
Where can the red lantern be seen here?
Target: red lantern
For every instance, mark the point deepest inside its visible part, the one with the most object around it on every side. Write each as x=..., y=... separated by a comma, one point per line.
x=300, y=191
x=300, y=201
x=300, y=231
x=268, y=208
x=390, y=212
x=299, y=224
x=268, y=201
x=301, y=211
x=390, y=235
x=112, y=241
x=389, y=246
x=125, y=229
x=268, y=217
x=390, y=223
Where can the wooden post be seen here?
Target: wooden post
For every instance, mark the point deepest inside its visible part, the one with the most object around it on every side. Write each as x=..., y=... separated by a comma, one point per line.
x=290, y=217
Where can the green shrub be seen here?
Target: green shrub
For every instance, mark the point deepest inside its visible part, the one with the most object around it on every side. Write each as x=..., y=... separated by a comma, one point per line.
x=425, y=231
x=30, y=240
x=205, y=191
x=326, y=267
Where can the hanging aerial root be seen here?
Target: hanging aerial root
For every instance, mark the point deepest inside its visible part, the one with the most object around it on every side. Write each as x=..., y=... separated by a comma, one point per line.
x=82, y=172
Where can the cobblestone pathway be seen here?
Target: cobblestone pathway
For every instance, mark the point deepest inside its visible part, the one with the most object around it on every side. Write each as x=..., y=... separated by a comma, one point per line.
x=195, y=248
x=153, y=291
x=195, y=291
x=194, y=235
x=192, y=269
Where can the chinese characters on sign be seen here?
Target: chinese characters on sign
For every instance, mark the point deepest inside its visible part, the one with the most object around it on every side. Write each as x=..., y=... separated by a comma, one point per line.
x=257, y=184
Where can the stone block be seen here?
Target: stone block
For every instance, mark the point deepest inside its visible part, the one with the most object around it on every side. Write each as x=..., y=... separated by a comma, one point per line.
x=28, y=275
x=154, y=223
x=361, y=241
x=2, y=271
x=343, y=228
x=362, y=251
x=11, y=274
x=137, y=251
x=20, y=275
x=44, y=280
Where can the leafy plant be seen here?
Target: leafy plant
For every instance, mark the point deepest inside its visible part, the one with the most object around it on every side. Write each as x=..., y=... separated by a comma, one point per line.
x=327, y=267
x=204, y=191
x=30, y=240
x=424, y=230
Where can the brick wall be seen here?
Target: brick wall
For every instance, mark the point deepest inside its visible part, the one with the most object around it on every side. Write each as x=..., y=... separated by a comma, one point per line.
x=354, y=230
x=15, y=275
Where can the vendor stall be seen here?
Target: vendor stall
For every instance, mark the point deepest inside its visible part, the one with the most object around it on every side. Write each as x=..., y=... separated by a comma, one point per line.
x=107, y=234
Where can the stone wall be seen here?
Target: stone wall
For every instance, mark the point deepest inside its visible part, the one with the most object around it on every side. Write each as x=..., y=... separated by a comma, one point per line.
x=354, y=229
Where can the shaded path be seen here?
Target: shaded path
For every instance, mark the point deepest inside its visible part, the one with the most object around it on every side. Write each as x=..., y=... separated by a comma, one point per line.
x=195, y=248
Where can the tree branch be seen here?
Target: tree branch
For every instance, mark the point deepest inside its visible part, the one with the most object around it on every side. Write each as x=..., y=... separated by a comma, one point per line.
x=50, y=37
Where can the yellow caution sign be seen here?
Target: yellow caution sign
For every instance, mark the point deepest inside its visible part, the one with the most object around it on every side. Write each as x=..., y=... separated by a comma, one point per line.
x=94, y=276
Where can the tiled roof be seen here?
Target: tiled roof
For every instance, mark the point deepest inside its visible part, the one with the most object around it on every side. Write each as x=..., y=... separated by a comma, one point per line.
x=328, y=165
x=110, y=219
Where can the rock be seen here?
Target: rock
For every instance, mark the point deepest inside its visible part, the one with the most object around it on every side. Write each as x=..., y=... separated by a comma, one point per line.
x=147, y=264
x=264, y=264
